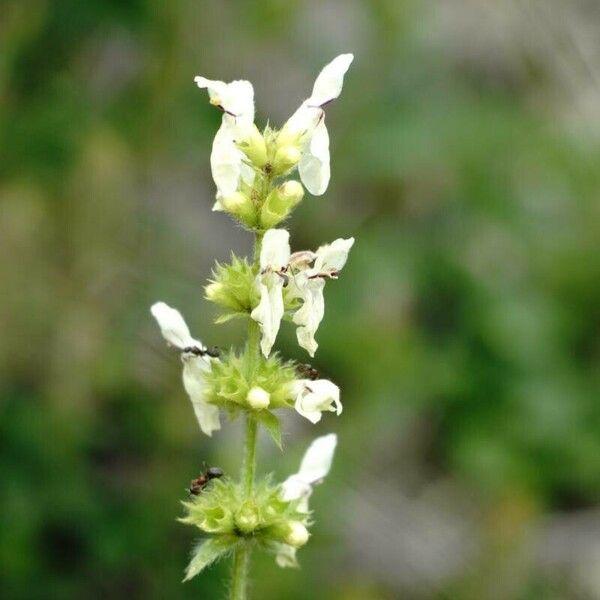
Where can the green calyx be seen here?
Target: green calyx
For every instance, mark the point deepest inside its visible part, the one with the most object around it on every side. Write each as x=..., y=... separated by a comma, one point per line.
x=239, y=382
x=222, y=509
x=280, y=203
x=233, y=287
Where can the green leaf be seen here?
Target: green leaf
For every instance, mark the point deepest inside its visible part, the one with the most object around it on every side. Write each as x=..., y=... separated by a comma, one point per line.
x=271, y=424
x=208, y=552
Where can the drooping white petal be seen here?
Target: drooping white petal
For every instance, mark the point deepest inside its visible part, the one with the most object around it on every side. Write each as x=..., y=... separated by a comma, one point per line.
x=235, y=98
x=329, y=82
x=269, y=311
x=172, y=326
x=315, y=397
x=333, y=257
x=226, y=159
x=274, y=257
x=315, y=465
x=314, y=167
x=194, y=371
x=285, y=555
x=309, y=316
x=275, y=250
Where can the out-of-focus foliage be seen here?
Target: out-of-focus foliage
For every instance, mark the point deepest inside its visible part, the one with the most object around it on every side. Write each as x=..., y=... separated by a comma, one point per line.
x=464, y=334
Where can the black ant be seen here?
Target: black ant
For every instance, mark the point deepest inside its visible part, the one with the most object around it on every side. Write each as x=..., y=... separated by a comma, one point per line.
x=307, y=371
x=211, y=351
x=198, y=484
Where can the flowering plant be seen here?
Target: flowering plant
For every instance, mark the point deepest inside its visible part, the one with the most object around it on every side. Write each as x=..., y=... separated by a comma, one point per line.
x=251, y=170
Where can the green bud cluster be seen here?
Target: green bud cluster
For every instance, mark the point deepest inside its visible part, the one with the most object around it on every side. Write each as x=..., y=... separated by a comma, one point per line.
x=238, y=381
x=261, y=206
x=222, y=509
x=233, y=287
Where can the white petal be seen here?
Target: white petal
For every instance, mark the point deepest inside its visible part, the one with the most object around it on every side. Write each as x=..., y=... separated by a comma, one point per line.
x=309, y=316
x=226, y=160
x=247, y=173
x=286, y=555
x=317, y=396
x=194, y=369
x=314, y=167
x=317, y=460
x=329, y=83
x=333, y=257
x=173, y=327
x=275, y=249
x=269, y=311
x=304, y=120
x=315, y=465
x=327, y=87
x=294, y=487
x=235, y=98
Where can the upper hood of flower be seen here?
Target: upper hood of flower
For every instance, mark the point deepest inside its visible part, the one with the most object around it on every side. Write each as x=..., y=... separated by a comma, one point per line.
x=235, y=99
x=275, y=250
x=315, y=465
x=173, y=326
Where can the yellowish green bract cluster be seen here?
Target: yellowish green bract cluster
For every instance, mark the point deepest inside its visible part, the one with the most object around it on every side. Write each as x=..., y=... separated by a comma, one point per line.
x=254, y=174
x=227, y=515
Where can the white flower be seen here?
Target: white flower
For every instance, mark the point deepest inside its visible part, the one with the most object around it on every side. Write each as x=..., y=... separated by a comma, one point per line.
x=316, y=397
x=315, y=465
x=309, y=283
x=274, y=257
x=195, y=363
x=236, y=100
x=308, y=123
x=285, y=555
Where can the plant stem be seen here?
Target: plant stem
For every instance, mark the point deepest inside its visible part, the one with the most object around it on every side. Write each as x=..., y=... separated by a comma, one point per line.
x=241, y=557
x=239, y=575
x=249, y=464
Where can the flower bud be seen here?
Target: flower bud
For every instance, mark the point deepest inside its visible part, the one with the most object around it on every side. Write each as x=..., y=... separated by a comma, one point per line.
x=247, y=518
x=241, y=206
x=297, y=534
x=291, y=192
x=280, y=202
x=253, y=145
x=286, y=158
x=258, y=398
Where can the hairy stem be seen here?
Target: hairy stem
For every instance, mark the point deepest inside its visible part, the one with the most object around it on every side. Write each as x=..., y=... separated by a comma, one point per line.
x=239, y=575
x=249, y=464
x=241, y=557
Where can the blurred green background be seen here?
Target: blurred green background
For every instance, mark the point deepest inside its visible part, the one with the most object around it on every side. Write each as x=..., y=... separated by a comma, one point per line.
x=463, y=331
